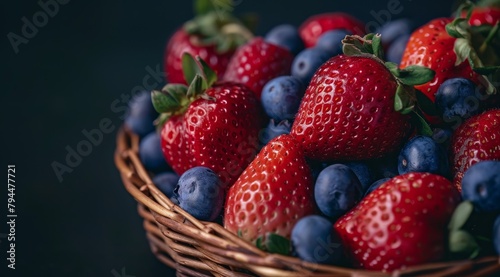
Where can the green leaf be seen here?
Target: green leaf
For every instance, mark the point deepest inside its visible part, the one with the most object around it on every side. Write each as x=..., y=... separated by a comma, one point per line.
x=416, y=75
x=455, y=29
x=164, y=102
x=202, y=7
x=461, y=241
x=377, y=48
x=422, y=125
x=462, y=50
x=460, y=216
x=189, y=67
x=393, y=68
x=426, y=104
x=196, y=87
x=277, y=244
x=161, y=120
x=240, y=233
x=208, y=72
x=259, y=244
x=403, y=101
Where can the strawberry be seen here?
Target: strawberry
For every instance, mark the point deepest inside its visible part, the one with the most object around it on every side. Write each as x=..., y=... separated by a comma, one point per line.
x=203, y=125
x=401, y=223
x=213, y=35
x=316, y=25
x=485, y=15
x=477, y=139
x=272, y=194
x=256, y=63
x=181, y=42
x=453, y=49
x=348, y=110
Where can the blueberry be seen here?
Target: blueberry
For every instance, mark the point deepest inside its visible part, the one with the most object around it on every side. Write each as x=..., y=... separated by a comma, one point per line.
x=201, y=193
x=273, y=130
x=331, y=41
x=281, y=97
x=307, y=62
x=395, y=29
x=496, y=235
x=151, y=154
x=314, y=240
x=286, y=36
x=481, y=186
x=397, y=48
x=423, y=154
x=456, y=100
x=363, y=172
x=166, y=182
x=337, y=190
x=141, y=114
x=442, y=136
x=375, y=185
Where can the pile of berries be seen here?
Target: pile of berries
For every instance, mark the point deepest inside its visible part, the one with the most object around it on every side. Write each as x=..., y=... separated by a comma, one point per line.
x=309, y=142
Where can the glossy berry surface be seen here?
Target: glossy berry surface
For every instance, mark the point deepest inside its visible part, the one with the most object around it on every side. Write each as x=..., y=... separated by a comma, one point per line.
x=201, y=193
x=481, y=186
x=281, y=97
x=422, y=154
x=274, y=129
x=141, y=114
x=307, y=62
x=331, y=41
x=456, y=99
x=166, y=182
x=286, y=36
x=150, y=153
x=314, y=240
x=363, y=172
x=337, y=190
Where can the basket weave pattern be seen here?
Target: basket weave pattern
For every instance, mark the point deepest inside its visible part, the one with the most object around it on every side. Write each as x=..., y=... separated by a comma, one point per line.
x=196, y=248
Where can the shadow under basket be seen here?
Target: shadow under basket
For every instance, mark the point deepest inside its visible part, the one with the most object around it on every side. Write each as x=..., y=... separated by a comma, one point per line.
x=197, y=248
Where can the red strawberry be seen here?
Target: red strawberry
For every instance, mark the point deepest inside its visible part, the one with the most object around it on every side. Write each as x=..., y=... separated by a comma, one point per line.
x=348, y=110
x=477, y=139
x=401, y=223
x=316, y=25
x=180, y=43
x=215, y=127
x=431, y=46
x=213, y=35
x=256, y=63
x=273, y=192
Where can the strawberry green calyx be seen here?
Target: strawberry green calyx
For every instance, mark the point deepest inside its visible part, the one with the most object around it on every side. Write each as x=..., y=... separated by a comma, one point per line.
x=273, y=243
x=214, y=24
x=488, y=3
x=479, y=45
x=174, y=99
x=406, y=96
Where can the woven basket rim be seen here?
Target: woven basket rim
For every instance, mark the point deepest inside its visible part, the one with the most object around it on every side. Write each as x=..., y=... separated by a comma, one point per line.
x=228, y=250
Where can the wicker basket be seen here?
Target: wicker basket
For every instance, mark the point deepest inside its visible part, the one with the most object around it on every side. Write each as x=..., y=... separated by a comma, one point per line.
x=196, y=248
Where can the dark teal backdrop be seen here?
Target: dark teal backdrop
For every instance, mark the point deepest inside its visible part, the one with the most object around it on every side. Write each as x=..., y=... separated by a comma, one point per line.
x=74, y=72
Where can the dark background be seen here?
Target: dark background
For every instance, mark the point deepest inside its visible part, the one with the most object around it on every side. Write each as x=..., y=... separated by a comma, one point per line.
x=62, y=82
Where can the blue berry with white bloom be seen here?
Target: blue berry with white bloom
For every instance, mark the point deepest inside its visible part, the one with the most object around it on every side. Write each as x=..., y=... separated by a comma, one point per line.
x=423, y=154
x=314, y=240
x=141, y=114
x=200, y=192
x=375, y=185
x=281, y=97
x=286, y=36
x=166, y=182
x=394, y=29
x=275, y=129
x=151, y=154
x=331, y=41
x=307, y=62
x=337, y=190
x=481, y=186
x=397, y=48
x=456, y=98
x=363, y=172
